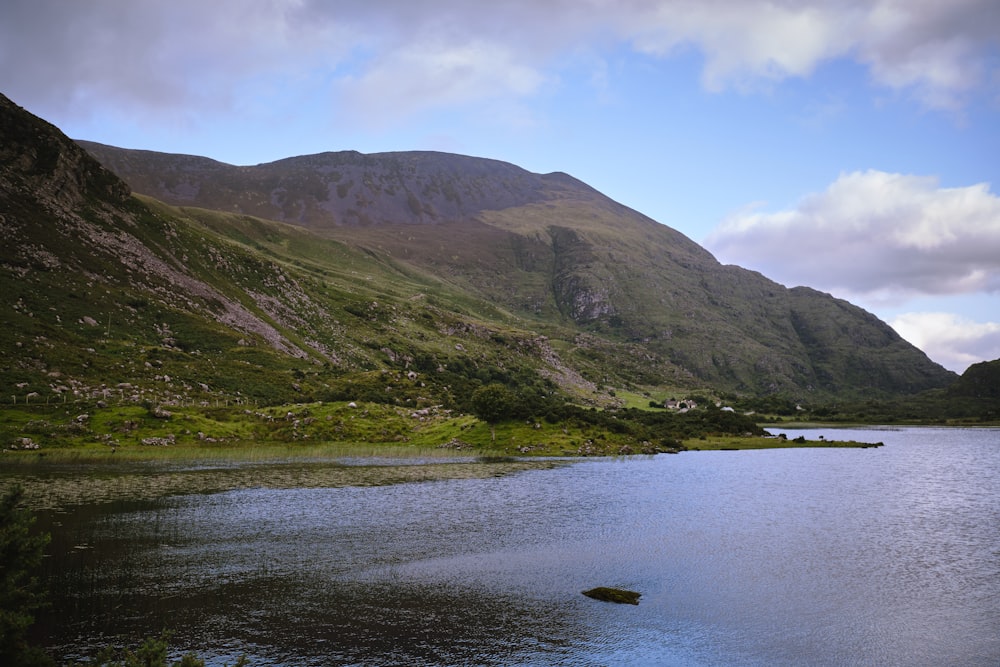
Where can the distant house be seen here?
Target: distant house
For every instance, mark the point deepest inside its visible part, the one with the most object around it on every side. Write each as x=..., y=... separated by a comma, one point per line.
x=682, y=406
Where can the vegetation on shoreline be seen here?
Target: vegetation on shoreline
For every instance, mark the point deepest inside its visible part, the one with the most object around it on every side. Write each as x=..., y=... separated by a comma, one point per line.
x=929, y=408
x=126, y=300
x=358, y=429
x=571, y=431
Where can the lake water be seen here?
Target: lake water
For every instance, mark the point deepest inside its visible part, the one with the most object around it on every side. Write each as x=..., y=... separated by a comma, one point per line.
x=887, y=556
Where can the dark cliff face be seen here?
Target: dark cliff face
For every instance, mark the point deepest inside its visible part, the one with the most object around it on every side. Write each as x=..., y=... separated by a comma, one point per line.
x=75, y=237
x=35, y=157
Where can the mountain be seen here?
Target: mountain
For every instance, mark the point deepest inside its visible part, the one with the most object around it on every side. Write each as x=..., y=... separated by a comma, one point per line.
x=550, y=248
x=980, y=380
x=413, y=276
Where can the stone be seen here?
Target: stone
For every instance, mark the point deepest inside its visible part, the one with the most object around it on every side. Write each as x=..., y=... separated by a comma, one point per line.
x=617, y=595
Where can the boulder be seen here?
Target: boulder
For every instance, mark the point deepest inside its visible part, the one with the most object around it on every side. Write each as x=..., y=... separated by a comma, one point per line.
x=617, y=595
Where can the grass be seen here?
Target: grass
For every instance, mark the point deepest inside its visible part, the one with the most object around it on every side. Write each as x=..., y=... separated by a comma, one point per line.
x=510, y=442
x=719, y=443
x=330, y=429
x=303, y=445
x=247, y=452
x=67, y=480
x=379, y=445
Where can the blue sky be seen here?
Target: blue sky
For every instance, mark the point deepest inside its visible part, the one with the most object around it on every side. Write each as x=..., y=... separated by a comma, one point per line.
x=850, y=146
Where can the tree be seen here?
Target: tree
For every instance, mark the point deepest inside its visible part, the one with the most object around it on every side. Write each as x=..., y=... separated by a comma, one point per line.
x=493, y=403
x=21, y=593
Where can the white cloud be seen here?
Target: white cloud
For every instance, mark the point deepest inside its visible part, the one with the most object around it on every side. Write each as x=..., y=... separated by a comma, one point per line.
x=935, y=50
x=929, y=47
x=746, y=41
x=954, y=342
x=155, y=56
x=434, y=75
x=874, y=235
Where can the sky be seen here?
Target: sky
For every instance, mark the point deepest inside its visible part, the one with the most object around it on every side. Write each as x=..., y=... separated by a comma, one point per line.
x=852, y=146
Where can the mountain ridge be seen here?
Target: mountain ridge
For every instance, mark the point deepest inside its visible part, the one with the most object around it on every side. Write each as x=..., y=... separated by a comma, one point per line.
x=339, y=187
x=531, y=280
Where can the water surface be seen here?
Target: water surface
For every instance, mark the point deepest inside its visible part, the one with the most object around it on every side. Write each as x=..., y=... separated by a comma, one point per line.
x=887, y=556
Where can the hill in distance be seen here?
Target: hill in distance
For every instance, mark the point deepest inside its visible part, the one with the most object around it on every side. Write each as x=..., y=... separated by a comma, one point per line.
x=413, y=278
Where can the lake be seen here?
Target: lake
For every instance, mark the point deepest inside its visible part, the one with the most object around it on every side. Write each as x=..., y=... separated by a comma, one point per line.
x=885, y=556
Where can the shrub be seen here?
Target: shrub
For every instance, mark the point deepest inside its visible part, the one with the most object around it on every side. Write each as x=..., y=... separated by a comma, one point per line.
x=152, y=653
x=21, y=594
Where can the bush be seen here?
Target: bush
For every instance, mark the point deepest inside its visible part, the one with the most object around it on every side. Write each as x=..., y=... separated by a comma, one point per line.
x=152, y=653
x=21, y=594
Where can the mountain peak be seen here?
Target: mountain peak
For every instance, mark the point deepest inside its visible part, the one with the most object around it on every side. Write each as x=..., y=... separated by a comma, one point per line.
x=342, y=188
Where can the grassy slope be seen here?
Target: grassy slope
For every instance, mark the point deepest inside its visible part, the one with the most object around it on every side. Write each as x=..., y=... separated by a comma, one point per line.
x=101, y=338
x=119, y=310
x=96, y=334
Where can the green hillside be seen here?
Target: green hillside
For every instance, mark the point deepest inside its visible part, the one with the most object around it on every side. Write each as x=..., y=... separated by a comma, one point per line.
x=629, y=299
x=497, y=277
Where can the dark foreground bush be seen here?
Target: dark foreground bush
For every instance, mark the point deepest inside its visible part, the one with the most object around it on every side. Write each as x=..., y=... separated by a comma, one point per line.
x=152, y=653
x=21, y=593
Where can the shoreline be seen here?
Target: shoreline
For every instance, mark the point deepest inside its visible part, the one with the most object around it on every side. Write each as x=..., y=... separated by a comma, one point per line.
x=263, y=453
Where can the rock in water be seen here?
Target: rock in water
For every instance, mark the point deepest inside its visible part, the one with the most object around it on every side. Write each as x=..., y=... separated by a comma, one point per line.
x=618, y=595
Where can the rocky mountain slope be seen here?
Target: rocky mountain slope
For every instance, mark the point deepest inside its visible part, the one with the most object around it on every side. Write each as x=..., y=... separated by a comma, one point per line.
x=410, y=277
x=549, y=248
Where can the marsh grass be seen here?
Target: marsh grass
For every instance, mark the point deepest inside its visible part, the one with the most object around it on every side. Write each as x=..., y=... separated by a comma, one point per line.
x=458, y=447
x=239, y=452
x=54, y=487
x=717, y=443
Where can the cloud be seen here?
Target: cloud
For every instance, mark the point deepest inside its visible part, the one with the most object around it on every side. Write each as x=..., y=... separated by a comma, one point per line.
x=745, y=42
x=954, y=342
x=394, y=57
x=874, y=235
x=426, y=76
x=929, y=47
x=154, y=57
x=935, y=50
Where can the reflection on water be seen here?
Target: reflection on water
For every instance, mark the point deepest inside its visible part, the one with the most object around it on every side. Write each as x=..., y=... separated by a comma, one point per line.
x=885, y=556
